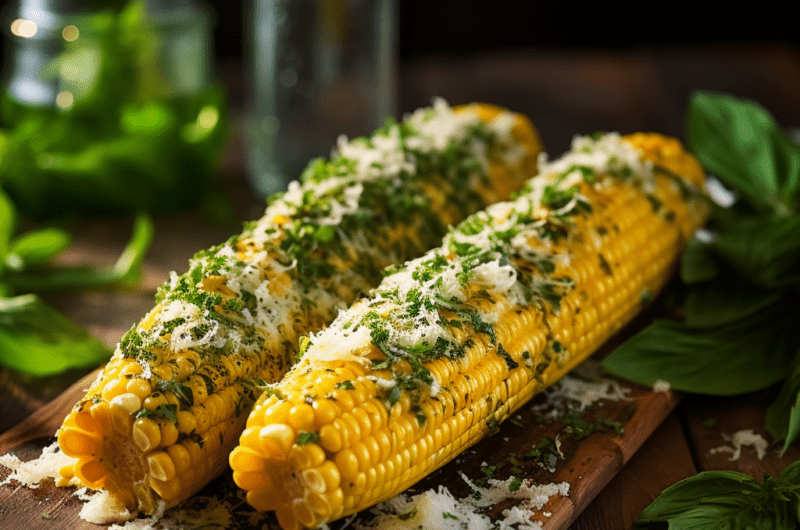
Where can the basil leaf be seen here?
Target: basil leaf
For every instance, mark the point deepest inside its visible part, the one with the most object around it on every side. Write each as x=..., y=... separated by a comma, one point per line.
x=740, y=142
x=7, y=222
x=698, y=263
x=39, y=246
x=38, y=340
x=736, y=358
x=125, y=272
x=714, y=500
x=782, y=420
x=791, y=478
x=726, y=300
x=765, y=250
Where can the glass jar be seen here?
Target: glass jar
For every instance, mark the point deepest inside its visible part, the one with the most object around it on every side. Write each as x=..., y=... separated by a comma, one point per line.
x=319, y=69
x=111, y=110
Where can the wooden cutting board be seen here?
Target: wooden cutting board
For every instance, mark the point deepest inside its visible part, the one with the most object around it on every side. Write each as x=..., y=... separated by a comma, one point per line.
x=588, y=464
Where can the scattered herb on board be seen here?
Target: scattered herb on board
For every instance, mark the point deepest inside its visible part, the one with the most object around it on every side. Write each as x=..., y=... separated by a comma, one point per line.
x=740, y=330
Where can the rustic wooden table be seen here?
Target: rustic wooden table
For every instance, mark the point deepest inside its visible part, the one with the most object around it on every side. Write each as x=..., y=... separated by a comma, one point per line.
x=564, y=92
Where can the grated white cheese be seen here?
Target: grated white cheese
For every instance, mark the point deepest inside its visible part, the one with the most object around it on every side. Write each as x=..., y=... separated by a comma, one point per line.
x=200, y=512
x=584, y=393
x=441, y=510
x=335, y=343
x=739, y=439
x=33, y=472
x=661, y=386
x=718, y=193
x=102, y=508
x=609, y=153
x=704, y=235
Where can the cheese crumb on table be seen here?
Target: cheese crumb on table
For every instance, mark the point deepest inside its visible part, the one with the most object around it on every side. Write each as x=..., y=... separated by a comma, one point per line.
x=439, y=509
x=31, y=473
x=739, y=439
x=661, y=386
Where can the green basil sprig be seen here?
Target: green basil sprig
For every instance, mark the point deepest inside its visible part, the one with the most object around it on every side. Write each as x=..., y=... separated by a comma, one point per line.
x=727, y=500
x=740, y=331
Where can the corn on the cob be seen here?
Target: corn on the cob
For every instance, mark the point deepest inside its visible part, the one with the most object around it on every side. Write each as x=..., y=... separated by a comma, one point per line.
x=160, y=420
x=451, y=343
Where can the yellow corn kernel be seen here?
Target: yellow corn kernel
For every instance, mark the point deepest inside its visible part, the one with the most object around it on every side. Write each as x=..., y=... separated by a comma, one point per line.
x=187, y=423
x=146, y=434
x=154, y=400
x=250, y=479
x=301, y=417
x=139, y=386
x=324, y=412
x=113, y=388
x=306, y=456
x=181, y=459
x=76, y=442
x=202, y=418
x=168, y=490
x=169, y=434
x=161, y=466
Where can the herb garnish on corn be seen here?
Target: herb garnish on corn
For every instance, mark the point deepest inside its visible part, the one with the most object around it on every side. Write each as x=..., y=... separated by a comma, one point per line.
x=160, y=420
x=450, y=344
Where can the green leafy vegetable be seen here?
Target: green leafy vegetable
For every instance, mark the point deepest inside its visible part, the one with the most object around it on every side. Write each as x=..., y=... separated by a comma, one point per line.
x=35, y=338
x=124, y=274
x=740, y=332
x=729, y=500
x=740, y=142
x=167, y=412
x=37, y=247
x=133, y=136
x=304, y=438
x=7, y=220
x=38, y=340
x=783, y=416
x=764, y=249
x=735, y=358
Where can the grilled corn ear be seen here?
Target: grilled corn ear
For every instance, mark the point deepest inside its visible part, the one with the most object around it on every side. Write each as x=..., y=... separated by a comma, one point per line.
x=450, y=344
x=160, y=420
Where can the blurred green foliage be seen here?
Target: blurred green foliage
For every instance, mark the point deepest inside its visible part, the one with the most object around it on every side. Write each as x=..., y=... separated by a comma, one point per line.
x=123, y=138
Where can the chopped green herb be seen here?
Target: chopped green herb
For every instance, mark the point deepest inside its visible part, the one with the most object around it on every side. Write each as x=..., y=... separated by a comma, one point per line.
x=181, y=391
x=167, y=412
x=344, y=385
x=304, y=438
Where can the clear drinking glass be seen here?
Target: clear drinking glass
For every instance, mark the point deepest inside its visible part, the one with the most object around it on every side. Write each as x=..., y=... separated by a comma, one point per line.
x=319, y=69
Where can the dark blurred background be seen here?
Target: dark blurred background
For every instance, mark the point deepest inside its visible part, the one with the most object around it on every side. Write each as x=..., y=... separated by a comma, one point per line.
x=577, y=67
x=469, y=26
